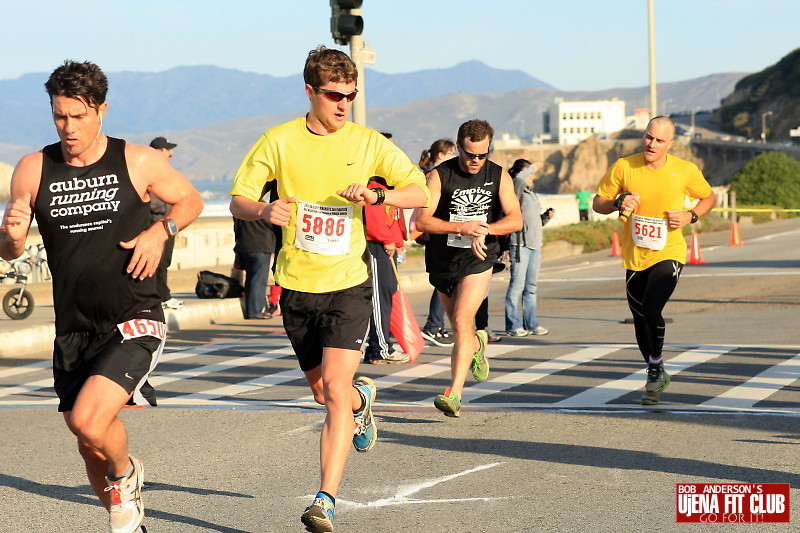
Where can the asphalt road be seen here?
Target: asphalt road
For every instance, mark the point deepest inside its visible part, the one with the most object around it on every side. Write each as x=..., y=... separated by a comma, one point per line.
x=555, y=440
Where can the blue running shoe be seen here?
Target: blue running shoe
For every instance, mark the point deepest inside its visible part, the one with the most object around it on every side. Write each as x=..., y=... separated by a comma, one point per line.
x=318, y=517
x=366, y=431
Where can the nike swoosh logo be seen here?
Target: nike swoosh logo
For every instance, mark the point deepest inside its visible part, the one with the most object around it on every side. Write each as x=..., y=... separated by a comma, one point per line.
x=351, y=164
x=487, y=183
x=128, y=376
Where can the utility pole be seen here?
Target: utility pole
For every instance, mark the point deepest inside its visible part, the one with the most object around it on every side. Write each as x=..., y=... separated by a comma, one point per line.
x=652, y=39
x=346, y=28
x=360, y=103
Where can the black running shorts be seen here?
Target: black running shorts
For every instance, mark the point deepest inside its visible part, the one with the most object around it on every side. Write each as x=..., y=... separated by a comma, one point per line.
x=128, y=363
x=326, y=320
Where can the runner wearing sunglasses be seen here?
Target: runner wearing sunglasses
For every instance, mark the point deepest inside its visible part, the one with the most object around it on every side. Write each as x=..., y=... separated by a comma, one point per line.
x=472, y=202
x=322, y=164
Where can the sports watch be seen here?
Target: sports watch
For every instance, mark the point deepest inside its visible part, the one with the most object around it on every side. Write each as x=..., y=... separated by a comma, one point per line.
x=381, y=195
x=171, y=226
x=694, y=217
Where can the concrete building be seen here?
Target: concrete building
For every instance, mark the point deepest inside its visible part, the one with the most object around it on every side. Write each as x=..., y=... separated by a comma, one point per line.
x=572, y=122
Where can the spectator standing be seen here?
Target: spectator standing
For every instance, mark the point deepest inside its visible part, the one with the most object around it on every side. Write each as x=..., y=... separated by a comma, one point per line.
x=582, y=197
x=159, y=210
x=525, y=254
x=255, y=246
x=434, y=331
x=386, y=233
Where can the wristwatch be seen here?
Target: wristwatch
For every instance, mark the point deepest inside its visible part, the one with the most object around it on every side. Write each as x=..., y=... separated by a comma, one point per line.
x=694, y=217
x=171, y=226
x=381, y=195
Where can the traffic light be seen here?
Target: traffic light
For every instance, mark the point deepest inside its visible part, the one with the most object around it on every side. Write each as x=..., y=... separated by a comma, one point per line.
x=344, y=24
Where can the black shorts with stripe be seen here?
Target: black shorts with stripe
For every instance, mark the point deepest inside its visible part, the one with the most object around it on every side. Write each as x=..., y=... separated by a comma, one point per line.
x=314, y=321
x=80, y=355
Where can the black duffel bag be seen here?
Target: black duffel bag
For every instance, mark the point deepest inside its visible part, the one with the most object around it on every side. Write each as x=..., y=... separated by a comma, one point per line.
x=213, y=285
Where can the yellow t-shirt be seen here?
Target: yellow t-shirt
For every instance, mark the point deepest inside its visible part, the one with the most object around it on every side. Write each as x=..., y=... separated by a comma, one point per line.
x=659, y=190
x=312, y=168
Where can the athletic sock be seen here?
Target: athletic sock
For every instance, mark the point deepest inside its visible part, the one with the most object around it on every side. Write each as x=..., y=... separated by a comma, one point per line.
x=655, y=361
x=128, y=473
x=323, y=494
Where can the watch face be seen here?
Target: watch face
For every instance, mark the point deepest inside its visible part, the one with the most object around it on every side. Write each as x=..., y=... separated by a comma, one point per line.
x=172, y=226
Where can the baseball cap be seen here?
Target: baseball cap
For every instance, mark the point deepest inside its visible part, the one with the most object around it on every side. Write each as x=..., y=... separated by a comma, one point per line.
x=160, y=143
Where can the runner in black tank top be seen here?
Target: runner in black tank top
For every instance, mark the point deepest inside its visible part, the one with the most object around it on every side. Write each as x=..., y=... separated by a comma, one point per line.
x=472, y=202
x=464, y=196
x=86, y=210
x=86, y=194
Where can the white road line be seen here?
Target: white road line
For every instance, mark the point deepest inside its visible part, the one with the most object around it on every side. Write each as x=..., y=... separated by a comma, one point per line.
x=402, y=497
x=33, y=367
x=283, y=351
x=759, y=387
x=536, y=372
x=606, y=392
x=261, y=382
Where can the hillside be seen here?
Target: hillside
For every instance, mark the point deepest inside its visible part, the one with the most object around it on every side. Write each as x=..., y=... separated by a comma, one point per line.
x=775, y=89
x=214, y=151
x=189, y=97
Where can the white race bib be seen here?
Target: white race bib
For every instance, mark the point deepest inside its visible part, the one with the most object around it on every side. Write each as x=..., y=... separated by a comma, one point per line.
x=648, y=232
x=456, y=240
x=142, y=327
x=323, y=229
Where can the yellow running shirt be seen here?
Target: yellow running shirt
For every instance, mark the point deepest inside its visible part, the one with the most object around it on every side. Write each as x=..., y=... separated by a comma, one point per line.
x=323, y=249
x=659, y=191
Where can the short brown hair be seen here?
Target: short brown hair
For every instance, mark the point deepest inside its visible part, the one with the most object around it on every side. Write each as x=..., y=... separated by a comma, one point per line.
x=475, y=130
x=82, y=81
x=324, y=65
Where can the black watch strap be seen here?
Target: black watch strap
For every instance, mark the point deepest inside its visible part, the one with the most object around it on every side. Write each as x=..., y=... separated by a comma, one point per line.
x=381, y=195
x=694, y=216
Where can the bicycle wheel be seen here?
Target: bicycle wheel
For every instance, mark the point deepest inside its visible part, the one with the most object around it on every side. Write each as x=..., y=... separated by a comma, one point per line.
x=18, y=304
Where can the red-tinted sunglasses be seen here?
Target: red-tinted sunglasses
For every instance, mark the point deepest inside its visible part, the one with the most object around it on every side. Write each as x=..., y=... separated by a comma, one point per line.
x=336, y=96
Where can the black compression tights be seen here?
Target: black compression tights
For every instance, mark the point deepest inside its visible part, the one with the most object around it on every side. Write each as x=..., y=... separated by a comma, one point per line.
x=648, y=292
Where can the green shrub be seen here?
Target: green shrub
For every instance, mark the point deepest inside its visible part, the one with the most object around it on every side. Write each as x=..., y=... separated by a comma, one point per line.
x=772, y=178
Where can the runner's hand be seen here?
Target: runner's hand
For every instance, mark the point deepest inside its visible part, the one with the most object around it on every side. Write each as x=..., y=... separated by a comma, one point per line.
x=17, y=217
x=479, y=247
x=678, y=219
x=358, y=194
x=474, y=228
x=147, y=249
x=279, y=211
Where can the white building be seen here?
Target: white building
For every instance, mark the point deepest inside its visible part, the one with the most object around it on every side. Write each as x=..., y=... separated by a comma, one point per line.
x=572, y=122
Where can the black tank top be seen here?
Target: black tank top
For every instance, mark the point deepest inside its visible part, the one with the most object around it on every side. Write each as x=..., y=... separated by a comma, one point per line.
x=83, y=214
x=464, y=195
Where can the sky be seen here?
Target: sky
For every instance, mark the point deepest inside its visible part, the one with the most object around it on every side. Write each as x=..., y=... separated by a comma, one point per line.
x=570, y=44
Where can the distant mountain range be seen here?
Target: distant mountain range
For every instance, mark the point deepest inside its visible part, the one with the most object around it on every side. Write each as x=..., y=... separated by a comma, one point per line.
x=186, y=97
x=216, y=114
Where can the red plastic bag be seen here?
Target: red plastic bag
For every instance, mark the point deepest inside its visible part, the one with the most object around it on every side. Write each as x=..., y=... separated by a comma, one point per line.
x=403, y=324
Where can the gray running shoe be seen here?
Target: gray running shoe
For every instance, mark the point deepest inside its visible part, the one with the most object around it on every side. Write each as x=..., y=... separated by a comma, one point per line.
x=657, y=381
x=127, y=510
x=539, y=330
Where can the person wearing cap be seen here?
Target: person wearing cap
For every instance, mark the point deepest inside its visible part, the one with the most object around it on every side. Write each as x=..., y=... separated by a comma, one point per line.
x=158, y=211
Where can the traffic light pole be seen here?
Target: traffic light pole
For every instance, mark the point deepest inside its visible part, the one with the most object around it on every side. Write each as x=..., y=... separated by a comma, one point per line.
x=360, y=103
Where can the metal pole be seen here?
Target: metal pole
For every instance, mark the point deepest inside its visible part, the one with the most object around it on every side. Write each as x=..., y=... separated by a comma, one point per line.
x=652, y=40
x=360, y=103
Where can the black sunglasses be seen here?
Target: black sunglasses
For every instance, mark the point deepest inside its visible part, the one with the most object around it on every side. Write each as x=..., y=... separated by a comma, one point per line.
x=336, y=96
x=470, y=155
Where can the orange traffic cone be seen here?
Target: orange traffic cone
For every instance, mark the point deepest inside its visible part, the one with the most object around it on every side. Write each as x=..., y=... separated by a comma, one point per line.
x=616, y=248
x=695, y=258
x=736, y=239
